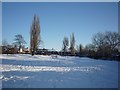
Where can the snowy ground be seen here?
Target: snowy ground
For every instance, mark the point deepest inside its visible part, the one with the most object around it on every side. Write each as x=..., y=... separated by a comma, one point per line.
x=26, y=71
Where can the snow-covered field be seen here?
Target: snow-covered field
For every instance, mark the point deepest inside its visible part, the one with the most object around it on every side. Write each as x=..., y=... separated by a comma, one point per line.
x=38, y=71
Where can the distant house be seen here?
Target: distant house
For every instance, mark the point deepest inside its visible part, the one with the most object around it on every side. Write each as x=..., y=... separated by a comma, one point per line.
x=20, y=50
x=9, y=49
x=24, y=51
x=68, y=53
x=46, y=51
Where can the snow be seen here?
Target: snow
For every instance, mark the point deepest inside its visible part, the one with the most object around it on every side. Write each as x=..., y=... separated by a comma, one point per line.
x=40, y=71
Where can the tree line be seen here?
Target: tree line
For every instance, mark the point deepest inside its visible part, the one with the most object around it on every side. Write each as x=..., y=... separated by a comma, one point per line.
x=104, y=45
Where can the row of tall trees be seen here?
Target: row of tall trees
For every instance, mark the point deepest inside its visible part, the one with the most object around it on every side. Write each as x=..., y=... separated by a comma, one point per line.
x=104, y=45
x=66, y=44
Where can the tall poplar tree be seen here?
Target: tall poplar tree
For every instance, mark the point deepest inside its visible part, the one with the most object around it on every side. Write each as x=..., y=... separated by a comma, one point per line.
x=35, y=35
x=65, y=44
x=72, y=44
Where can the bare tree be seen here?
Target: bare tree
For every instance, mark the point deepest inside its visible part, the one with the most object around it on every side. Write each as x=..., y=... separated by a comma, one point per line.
x=106, y=43
x=112, y=39
x=72, y=44
x=35, y=35
x=90, y=50
x=80, y=49
x=19, y=41
x=98, y=40
x=65, y=44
